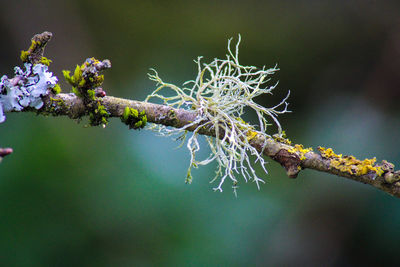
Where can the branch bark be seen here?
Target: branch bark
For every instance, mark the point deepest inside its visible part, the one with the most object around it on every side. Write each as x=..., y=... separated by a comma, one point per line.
x=293, y=158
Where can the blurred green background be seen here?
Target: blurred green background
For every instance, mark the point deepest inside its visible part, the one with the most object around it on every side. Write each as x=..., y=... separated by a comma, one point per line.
x=113, y=197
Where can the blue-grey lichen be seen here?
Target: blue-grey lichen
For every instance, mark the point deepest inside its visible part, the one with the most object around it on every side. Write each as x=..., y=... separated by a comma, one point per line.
x=25, y=89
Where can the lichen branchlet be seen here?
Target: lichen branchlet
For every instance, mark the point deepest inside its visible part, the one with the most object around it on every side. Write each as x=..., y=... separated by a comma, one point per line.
x=219, y=94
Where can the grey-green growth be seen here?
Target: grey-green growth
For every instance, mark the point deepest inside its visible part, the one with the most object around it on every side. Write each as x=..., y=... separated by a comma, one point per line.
x=219, y=95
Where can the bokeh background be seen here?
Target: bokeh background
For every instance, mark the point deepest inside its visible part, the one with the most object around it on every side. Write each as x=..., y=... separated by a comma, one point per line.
x=71, y=195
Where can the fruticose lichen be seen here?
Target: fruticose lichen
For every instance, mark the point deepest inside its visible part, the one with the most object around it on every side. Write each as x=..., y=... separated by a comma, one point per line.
x=25, y=89
x=349, y=164
x=219, y=95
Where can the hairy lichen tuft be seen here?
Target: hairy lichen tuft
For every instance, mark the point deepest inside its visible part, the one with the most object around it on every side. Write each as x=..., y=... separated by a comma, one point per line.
x=219, y=95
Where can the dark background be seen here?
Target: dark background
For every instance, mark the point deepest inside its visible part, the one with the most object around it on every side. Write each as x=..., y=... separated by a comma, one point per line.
x=113, y=197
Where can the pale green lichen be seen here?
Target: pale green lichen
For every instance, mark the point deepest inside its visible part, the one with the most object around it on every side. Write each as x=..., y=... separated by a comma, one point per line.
x=221, y=92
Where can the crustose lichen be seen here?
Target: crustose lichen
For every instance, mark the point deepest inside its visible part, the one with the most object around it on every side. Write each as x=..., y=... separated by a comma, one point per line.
x=219, y=95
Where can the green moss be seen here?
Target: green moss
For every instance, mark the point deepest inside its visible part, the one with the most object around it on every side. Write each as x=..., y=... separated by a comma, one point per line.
x=56, y=106
x=133, y=118
x=99, y=116
x=77, y=74
x=56, y=89
x=83, y=81
x=67, y=76
x=91, y=94
x=76, y=92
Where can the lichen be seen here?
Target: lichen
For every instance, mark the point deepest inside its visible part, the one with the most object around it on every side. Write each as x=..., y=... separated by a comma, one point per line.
x=45, y=61
x=300, y=151
x=251, y=135
x=56, y=104
x=25, y=55
x=219, y=95
x=350, y=164
x=133, y=118
x=281, y=138
x=25, y=89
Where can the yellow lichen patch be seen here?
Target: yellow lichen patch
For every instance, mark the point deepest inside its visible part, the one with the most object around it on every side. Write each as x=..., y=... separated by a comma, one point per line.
x=250, y=135
x=282, y=138
x=300, y=150
x=350, y=164
x=328, y=153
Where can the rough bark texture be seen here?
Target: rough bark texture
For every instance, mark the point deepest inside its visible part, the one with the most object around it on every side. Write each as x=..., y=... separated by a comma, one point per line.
x=293, y=158
x=290, y=157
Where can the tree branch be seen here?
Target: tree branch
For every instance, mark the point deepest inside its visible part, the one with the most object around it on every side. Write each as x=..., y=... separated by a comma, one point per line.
x=89, y=99
x=293, y=158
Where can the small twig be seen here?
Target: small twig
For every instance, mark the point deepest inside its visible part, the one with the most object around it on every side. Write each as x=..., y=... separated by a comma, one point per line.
x=35, y=52
x=4, y=152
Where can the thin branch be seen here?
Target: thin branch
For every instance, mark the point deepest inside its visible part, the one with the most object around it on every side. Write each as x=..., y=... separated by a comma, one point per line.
x=28, y=94
x=4, y=152
x=293, y=158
